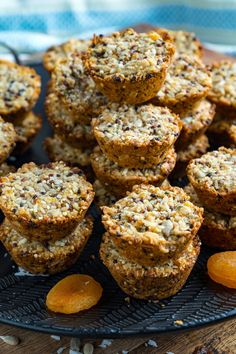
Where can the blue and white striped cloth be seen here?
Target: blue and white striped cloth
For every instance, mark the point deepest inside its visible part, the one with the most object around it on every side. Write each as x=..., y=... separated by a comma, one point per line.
x=33, y=25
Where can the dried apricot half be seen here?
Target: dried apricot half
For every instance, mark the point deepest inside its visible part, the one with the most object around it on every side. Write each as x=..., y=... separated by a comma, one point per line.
x=74, y=293
x=222, y=268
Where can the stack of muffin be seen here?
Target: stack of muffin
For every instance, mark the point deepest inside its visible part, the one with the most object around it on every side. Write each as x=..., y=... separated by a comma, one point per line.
x=72, y=101
x=121, y=128
x=213, y=186
x=45, y=227
x=151, y=245
x=222, y=132
x=20, y=89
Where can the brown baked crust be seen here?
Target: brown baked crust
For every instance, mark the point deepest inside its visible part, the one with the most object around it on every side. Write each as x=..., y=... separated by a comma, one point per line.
x=187, y=82
x=48, y=257
x=68, y=125
x=221, y=195
x=144, y=232
x=39, y=210
x=195, y=123
x=22, y=87
x=136, y=146
x=217, y=230
x=139, y=85
x=193, y=151
x=8, y=139
x=119, y=180
x=153, y=283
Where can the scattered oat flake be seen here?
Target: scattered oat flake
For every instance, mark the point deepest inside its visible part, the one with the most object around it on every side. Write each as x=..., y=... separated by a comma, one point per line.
x=105, y=343
x=60, y=350
x=152, y=343
x=11, y=340
x=75, y=344
x=56, y=337
x=88, y=348
x=127, y=299
x=178, y=322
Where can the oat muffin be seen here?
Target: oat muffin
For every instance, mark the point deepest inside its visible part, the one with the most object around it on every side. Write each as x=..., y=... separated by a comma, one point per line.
x=187, y=81
x=48, y=257
x=27, y=126
x=136, y=136
x=119, y=180
x=217, y=230
x=193, y=151
x=76, y=89
x=20, y=87
x=57, y=52
x=152, y=224
x=128, y=66
x=223, y=91
x=58, y=150
x=149, y=282
x=195, y=123
x=213, y=177
x=66, y=124
x=8, y=139
x=185, y=42
x=102, y=195
x=48, y=200
x=222, y=132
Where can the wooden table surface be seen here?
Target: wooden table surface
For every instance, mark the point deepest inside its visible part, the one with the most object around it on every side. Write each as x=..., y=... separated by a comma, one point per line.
x=219, y=338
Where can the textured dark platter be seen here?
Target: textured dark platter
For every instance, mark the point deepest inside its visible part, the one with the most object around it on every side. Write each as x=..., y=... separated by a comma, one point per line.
x=22, y=298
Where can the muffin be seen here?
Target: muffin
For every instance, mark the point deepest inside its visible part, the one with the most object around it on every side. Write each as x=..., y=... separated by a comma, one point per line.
x=66, y=124
x=48, y=257
x=102, y=195
x=149, y=282
x=119, y=180
x=152, y=224
x=217, y=230
x=223, y=85
x=136, y=136
x=61, y=51
x=47, y=200
x=20, y=87
x=8, y=139
x=76, y=89
x=58, y=150
x=213, y=177
x=185, y=42
x=193, y=151
x=127, y=66
x=222, y=132
x=27, y=126
x=195, y=123
x=187, y=81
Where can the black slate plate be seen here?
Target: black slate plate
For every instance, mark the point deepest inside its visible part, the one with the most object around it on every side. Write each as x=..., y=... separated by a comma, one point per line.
x=22, y=298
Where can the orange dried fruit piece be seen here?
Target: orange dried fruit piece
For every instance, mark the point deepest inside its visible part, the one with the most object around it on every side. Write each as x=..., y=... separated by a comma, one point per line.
x=74, y=293
x=222, y=268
